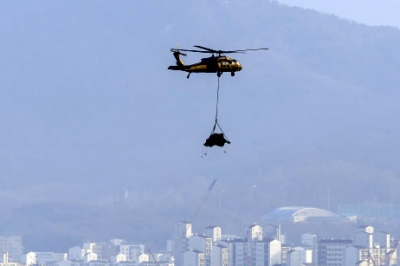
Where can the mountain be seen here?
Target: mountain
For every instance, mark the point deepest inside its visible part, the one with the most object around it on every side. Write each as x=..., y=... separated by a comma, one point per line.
x=93, y=123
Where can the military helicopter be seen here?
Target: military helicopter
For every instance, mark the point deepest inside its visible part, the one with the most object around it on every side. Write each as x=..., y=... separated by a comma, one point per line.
x=214, y=64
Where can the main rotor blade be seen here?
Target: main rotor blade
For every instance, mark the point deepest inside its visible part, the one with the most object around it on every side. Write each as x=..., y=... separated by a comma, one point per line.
x=205, y=48
x=212, y=51
x=188, y=50
x=219, y=52
x=241, y=51
x=244, y=50
x=228, y=52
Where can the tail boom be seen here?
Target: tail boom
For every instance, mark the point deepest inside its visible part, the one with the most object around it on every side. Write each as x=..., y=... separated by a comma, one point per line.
x=183, y=68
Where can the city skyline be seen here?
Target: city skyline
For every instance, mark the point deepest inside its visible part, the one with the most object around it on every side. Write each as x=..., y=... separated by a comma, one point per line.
x=98, y=139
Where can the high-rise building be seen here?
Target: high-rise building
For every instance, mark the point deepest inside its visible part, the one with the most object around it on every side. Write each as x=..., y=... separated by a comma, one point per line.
x=370, y=247
x=251, y=253
x=257, y=253
x=182, y=231
x=273, y=252
x=294, y=258
x=220, y=255
x=236, y=251
x=364, y=236
x=214, y=232
x=330, y=251
x=298, y=256
x=131, y=251
x=203, y=244
x=43, y=258
x=193, y=258
x=240, y=253
x=309, y=241
x=285, y=249
x=76, y=253
x=253, y=232
x=13, y=246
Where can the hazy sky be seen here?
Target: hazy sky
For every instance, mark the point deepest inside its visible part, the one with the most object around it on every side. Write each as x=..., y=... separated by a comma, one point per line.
x=371, y=12
x=89, y=110
x=86, y=92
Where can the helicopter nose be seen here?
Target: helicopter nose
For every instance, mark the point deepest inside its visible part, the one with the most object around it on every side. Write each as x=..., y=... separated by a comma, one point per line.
x=239, y=66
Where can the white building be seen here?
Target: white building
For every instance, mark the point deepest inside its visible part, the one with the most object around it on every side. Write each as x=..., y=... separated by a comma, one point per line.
x=203, y=244
x=299, y=256
x=308, y=256
x=253, y=233
x=4, y=258
x=89, y=246
x=214, y=232
x=309, y=241
x=220, y=255
x=294, y=258
x=29, y=258
x=354, y=254
x=143, y=258
x=131, y=251
x=239, y=254
x=118, y=258
x=43, y=258
x=182, y=231
x=273, y=252
x=13, y=246
x=370, y=247
x=330, y=251
x=104, y=251
x=257, y=253
x=374, y=256
x=4, y=261
x=76, y=253
x=364, y=236
x=89, y=257
x=284, y=251
x=193, y=258
x=228, y=247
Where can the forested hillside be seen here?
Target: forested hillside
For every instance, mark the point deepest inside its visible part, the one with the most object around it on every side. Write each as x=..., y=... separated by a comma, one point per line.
x=100, y=140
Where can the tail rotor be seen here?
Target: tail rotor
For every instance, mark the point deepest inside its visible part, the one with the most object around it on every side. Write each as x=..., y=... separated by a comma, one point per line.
x=176, y=54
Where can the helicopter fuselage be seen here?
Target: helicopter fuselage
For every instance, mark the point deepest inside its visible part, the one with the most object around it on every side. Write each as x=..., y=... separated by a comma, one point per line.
x=213, y=64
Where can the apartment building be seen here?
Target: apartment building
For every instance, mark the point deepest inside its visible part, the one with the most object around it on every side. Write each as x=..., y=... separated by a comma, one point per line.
x=12, y=245
x=330, y=251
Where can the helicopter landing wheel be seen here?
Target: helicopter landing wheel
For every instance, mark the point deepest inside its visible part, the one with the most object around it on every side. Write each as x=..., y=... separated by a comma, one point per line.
x=219, y=74
x=232, y=74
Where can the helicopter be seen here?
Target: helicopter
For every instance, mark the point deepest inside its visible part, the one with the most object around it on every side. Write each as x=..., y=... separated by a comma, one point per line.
x=213, y=64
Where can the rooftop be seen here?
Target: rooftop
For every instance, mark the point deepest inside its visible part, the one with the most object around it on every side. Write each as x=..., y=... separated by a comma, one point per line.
x=299, y=214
